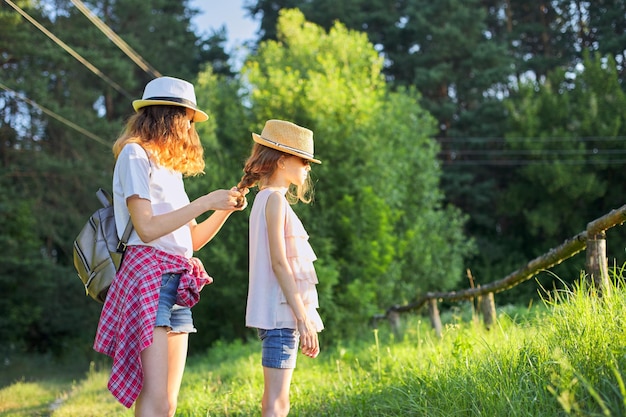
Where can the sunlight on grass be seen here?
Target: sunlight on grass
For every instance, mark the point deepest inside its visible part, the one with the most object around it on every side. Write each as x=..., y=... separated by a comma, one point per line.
x=563, y=357
x=91, y=398
x=227, y=381
x=27, y=399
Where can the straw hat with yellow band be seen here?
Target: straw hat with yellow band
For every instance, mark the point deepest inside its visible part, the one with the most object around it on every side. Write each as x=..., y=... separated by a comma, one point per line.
x=169, y=91
x=287, y=137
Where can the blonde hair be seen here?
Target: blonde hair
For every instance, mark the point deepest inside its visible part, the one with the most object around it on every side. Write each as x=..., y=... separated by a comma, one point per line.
x=260, y=166
x=164, y=132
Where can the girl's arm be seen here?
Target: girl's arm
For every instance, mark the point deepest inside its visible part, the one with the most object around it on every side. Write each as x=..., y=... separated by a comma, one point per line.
x=275, y=219
x=150, y=227
x=202, y=233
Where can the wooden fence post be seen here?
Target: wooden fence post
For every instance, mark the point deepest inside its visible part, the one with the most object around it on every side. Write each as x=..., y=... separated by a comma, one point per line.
x=597, y=264
x=488, y=308
x=435, y=319
x=394, y=322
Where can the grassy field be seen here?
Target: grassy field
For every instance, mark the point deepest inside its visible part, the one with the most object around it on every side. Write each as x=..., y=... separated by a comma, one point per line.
x=563, y=358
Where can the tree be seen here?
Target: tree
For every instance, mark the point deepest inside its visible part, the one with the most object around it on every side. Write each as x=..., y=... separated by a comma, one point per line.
x=570, y=128
x=212, y=50
x=447, y=52
x=601, y=27
x=377, y=219
x=443, y=49
x=50, y=170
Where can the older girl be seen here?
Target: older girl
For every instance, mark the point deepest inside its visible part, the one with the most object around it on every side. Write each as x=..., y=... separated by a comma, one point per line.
x=146, y=319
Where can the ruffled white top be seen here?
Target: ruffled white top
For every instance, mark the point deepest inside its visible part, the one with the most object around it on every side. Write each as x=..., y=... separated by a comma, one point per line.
x=267, y=306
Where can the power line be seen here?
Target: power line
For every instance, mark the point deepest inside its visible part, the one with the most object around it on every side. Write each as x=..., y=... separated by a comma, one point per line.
x=134, y=56
x=519, y=162
x=495, y=152
x=458, y=153
x=56, y=116
x=69, y=50
x=549, y=139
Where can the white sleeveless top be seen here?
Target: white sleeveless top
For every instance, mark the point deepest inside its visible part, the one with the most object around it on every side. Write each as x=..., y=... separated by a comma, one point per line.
x=267, y=306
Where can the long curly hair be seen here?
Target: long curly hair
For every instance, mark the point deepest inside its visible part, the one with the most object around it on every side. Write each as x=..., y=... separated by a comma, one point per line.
x=166, y=133
x=260, y=166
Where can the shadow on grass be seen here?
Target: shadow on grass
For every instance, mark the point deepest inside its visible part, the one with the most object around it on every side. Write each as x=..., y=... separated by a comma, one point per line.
x=70, y=366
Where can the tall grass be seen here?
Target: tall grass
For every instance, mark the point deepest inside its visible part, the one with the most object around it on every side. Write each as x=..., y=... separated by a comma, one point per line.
x=563, y=358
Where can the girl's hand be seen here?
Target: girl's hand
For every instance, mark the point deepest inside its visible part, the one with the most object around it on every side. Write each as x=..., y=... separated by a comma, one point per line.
x=309, y=342
x=242, y=202
x=226, y=199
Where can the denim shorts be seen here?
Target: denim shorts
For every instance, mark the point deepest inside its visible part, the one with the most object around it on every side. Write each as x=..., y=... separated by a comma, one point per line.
x=177, y=318
x=280, y=348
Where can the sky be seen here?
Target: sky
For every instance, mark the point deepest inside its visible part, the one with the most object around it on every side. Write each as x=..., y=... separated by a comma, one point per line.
x=230, y=13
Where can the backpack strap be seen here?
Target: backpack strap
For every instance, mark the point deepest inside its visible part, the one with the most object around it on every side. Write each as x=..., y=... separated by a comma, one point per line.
x=121, y=245
x=104, y=197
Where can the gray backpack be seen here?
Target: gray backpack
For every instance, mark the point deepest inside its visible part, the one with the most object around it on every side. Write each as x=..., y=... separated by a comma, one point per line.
x=98, y=252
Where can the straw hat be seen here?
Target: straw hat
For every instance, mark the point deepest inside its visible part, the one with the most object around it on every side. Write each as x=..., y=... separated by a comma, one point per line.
x=172, y=92
x=287, y=137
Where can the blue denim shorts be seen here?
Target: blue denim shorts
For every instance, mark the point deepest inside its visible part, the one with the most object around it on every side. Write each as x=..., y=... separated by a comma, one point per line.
x=177, y=318
x=280, y=348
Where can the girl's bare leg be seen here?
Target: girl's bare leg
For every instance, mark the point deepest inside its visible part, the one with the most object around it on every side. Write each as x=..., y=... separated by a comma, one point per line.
x=177, y=356
x=276, y=392
x=152, y=400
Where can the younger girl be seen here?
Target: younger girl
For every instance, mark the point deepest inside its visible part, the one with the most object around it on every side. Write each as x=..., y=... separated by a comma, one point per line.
x=146, y=319
x=282, y=299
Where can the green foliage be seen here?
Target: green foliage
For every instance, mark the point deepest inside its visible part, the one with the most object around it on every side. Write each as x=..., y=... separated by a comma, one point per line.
x=378, y=159
x=49, y=172
x=609, y=35
x=464, y=58
x=556, y=170
x=377, y=203
x=36, y=317
x=380, y=223
x=544, y=37
x=442, y=48
x=365, y=262
x=570, y=128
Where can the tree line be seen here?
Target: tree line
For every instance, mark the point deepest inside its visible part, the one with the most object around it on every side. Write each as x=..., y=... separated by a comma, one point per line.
x=454, y=135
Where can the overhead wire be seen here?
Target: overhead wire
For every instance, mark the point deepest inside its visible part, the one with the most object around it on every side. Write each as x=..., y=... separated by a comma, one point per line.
x=145, y=66
x=493, y=151
x=532, y=152
x=56, y=116
x=107, y=31
x=520, y=162
x=69, y=50
x=502, y=140
x=114, y=37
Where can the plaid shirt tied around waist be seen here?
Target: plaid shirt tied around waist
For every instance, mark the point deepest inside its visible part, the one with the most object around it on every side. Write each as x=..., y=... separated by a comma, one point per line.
x=128, y=316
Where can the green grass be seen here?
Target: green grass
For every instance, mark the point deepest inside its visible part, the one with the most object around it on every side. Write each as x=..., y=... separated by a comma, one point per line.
x=564, y=358
x=32, y=385
x=28, y=399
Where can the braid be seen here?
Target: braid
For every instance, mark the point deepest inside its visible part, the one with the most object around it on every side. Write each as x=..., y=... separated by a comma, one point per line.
x=248, y=180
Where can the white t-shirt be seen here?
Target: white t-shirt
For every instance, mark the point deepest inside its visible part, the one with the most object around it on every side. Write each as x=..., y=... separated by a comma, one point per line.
x=134, y=174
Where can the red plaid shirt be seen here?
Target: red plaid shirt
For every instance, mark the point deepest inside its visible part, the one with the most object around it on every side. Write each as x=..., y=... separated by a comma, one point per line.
x=127, y=320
